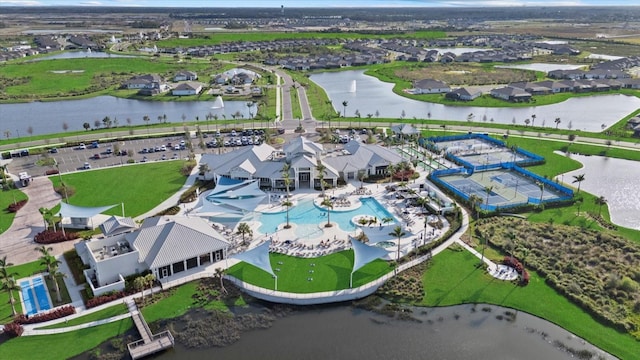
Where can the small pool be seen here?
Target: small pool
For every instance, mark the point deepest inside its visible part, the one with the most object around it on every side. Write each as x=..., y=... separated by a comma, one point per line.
x=385, y=244
x=34, y=295
x=307, y=216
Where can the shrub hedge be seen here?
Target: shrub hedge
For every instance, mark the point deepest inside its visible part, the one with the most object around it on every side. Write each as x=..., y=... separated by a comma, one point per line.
x=56, y=313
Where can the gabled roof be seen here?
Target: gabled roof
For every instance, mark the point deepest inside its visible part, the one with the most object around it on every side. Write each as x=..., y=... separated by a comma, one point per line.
x=302, y=145
x=362, y=156
x=430, y=84
x=168, y=239
x=117, y=225
x=405, y=129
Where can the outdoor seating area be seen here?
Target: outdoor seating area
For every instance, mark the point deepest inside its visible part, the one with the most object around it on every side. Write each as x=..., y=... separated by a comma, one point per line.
x=298, y=249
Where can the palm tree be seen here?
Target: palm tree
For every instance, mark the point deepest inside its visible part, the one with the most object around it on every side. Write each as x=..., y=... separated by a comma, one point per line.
x=391, y=169
x=600, y=201
x=475, y=201
x=398, y=233
x=541, y=186
x=320, y=168
x=287, y=182
x=511, y=242
x=488, y=190
x=387, y=220
x=220, y=274
x=344, y=105
x=244, y=229
x=55, y=274
x=149, y=280
x=557, y=121
x=578, y=179
x=46, y=258
x=139, y=284
x=362, y=176
x=533, y=120
x=7, y=281
x=326, y=202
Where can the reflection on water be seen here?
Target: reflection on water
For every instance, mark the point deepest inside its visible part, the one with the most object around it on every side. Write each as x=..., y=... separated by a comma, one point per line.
x=616, y=180
x=340, y=332
x=581, y=113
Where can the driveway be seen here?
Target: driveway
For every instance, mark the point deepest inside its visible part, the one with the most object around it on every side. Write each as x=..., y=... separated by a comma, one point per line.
x=17, y=242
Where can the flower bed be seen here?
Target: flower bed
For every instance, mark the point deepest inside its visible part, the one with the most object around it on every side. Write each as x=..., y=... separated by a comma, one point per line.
x=52, y=237
x=56, y=313
x=14, y=207
x=514, y=263
x=13, y=329
x=103, y=299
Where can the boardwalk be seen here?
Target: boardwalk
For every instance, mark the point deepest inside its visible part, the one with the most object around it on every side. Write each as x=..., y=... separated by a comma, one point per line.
x=150, y=343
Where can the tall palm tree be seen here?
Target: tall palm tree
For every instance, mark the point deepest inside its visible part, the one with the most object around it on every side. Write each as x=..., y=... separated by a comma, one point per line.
x=488, y=190
x=391, y=169
x=533, y=120
x=220, y=274
x=320, y=168
x=46, y=258
x=600, y=201
x=149, y=280
x=244, y=229
x=326, y=202
x=7, y=281
x=287, y=182
x=578, y=179
x=541, y=186
x=557, y=121
x=139, y=284
x=398, y=233
x=344, y=105
x=475, y=201
x=55, y=274
x=362, y=176
x=511, y=242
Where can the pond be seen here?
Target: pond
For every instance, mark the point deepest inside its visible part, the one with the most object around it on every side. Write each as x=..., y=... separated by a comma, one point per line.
x=340, y=332
x=542, y=67
x=49, y=117
x=616, y=180
x=79, y=54
x=580, y=113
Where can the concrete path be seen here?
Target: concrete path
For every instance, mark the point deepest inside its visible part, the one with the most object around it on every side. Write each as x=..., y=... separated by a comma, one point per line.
x=17, y=242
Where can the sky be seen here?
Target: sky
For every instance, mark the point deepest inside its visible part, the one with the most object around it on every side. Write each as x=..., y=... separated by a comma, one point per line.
x=316, y=3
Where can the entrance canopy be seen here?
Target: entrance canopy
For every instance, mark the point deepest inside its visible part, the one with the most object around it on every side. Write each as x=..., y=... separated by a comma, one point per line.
x=258, y=257
x=230, y=196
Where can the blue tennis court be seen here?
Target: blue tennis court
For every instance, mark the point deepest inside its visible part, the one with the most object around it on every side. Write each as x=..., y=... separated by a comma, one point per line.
x=35, y=297
x=470, y=187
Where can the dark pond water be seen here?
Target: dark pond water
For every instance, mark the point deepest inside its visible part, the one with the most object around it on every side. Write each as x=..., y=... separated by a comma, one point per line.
x=342, y=332
x=49, y=117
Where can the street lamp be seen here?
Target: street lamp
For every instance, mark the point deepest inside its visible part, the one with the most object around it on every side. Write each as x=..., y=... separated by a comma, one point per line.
x=424, y=237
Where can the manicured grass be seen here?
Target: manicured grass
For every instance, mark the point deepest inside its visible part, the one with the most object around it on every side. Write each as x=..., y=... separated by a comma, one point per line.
x=140, y=187
x=62, y=346
x=453, y=279
x=24, y=270
x=98, y=315
x=7, y=198
x=178, y=303
x=270, y=36
x=330, y=272
x=65, y=298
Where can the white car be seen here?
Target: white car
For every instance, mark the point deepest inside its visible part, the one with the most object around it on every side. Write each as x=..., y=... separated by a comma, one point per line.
x=176, y=147
x=82, y=146
x=163, y=148
x=86, y=166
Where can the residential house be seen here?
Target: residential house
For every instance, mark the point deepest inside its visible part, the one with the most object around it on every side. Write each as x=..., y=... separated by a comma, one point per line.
x=185, y=76
x=430, y=86
x=509, y=93
x=462, y=94
x=187, y=88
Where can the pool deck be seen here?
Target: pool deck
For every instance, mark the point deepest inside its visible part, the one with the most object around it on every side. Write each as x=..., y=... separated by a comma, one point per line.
x=333, y=239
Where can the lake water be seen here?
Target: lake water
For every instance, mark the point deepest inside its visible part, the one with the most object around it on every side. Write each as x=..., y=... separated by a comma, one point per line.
x=341, y=332
x=542, y=67
x=79, y=54
x=48, y=117
x=582, y=113
x=616, y=180
x=458, y=50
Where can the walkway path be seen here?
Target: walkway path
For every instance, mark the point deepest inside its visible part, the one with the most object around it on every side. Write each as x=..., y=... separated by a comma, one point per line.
x=17, y=242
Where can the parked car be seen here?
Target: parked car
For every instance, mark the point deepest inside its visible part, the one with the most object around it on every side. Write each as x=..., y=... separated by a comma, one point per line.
x=86, y=166
x=144, y=150
x=96, y=156
x=176, y=147
x=53, y=150
x=163, y=148
x=82, y=146
x=109, y=151
x=281, y=131
x=144, y=159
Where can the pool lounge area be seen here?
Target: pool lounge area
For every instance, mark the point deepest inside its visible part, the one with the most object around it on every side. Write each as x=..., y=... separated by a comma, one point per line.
x=34, y=294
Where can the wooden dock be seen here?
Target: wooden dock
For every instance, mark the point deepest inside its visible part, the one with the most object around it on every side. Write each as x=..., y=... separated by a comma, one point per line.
x=150, y=343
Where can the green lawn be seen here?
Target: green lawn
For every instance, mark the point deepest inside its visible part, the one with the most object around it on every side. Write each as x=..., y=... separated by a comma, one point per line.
x=453, y=279
x=22, y=271
x=181, y=300
x=62, y=346
x=330, y=272
x=140, y=187
x=98, y=315
x=7, y=198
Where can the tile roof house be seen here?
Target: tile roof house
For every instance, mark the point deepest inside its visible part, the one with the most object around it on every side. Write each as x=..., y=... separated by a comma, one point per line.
x=462, y=94
x=187, y=88
x=430, y=86
x=511, y=94
x=185, y=76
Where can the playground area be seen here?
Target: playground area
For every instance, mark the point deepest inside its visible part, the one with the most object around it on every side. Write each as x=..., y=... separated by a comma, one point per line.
x=501, y=187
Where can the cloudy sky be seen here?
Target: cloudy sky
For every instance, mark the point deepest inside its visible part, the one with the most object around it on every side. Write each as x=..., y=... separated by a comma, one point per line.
x=317, y=3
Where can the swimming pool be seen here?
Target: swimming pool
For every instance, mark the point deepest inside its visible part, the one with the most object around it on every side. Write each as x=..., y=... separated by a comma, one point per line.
x=34, y=295
x=307, y=216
